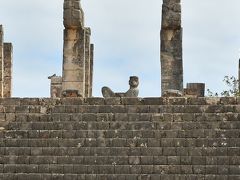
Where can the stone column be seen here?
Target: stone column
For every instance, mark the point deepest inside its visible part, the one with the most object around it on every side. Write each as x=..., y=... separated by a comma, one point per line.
x=239, y=76
x=91, y=69
x=195, y=90
x=87, y=61
x=7, y=64
x=1, y=60
x=74, y=50
x=56, y=86
x=171, y=46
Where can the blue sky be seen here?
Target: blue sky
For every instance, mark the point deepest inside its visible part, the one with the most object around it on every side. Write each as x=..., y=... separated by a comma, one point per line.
x=126, y=38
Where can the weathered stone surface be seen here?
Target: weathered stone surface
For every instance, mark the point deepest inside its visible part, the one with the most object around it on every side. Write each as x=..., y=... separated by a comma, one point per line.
x=56, y=86
x=77, y=71
x=107, y=92
x=74, y=61
x=171, y=46
x=87, y=62
x=132, y=92
x=195, y=90
x=7, y=63
x=172, y=93
x=5, y=66
x=1, y=60
x=73, y=14
x=120, y=138
x=91, y=69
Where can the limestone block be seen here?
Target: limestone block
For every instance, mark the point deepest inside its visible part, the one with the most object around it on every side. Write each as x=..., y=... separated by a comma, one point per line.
x=73, y=14
x=171, y=14
x=171, y=41
x=195, y=89
x=172, y=93
x=68, y=85
x=56, y=86
x=74, y=61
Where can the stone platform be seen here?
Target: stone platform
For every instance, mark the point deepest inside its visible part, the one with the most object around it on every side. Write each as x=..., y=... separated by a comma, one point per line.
x=120, y=139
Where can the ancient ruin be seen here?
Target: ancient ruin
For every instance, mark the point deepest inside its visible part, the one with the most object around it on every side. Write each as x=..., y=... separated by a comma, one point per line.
x=132, y=92
x=6, y=58
x=56, y=86
x=77, y=53
x=171, y=54
x=171, y=46
x=119, y=137
x=194, y=90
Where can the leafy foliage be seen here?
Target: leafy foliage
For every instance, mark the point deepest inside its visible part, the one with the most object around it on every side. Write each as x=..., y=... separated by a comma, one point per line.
x=233, y=87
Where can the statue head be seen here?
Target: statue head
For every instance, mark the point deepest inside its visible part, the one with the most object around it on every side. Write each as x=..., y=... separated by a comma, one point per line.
x=133, y=81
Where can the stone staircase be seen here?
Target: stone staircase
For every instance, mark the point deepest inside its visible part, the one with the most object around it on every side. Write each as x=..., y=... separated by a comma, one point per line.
x=120, y=139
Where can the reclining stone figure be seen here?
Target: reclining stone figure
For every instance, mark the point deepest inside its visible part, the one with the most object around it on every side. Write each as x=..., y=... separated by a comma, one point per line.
x=132, y=92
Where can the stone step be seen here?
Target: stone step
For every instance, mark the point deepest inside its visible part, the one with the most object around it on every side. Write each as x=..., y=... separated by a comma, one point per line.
x=123, y=125
x=68, y=125
x=120, y=160
x=121, y=101
x=121, y=109
x=119, y=169
x=45, y=176
x=232, y=152
x=120, y=142
x=113, y=117
x=159, y=134
x=120, y=139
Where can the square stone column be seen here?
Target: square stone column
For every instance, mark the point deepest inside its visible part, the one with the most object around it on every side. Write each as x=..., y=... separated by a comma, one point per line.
x=91, y=69
x=87, y=61
x=171, y=46
x=7, y=64
x=74, y=61
x=73, y=78
x=1, y=60
x=56, y=86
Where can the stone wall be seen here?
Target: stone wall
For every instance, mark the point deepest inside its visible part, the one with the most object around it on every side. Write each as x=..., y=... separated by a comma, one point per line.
x=129, y=139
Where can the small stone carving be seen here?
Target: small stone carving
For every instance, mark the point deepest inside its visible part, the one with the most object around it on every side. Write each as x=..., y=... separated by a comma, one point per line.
x=132, y=92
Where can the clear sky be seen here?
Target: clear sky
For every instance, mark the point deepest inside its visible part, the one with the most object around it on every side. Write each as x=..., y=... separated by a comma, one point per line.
x=126, y=38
